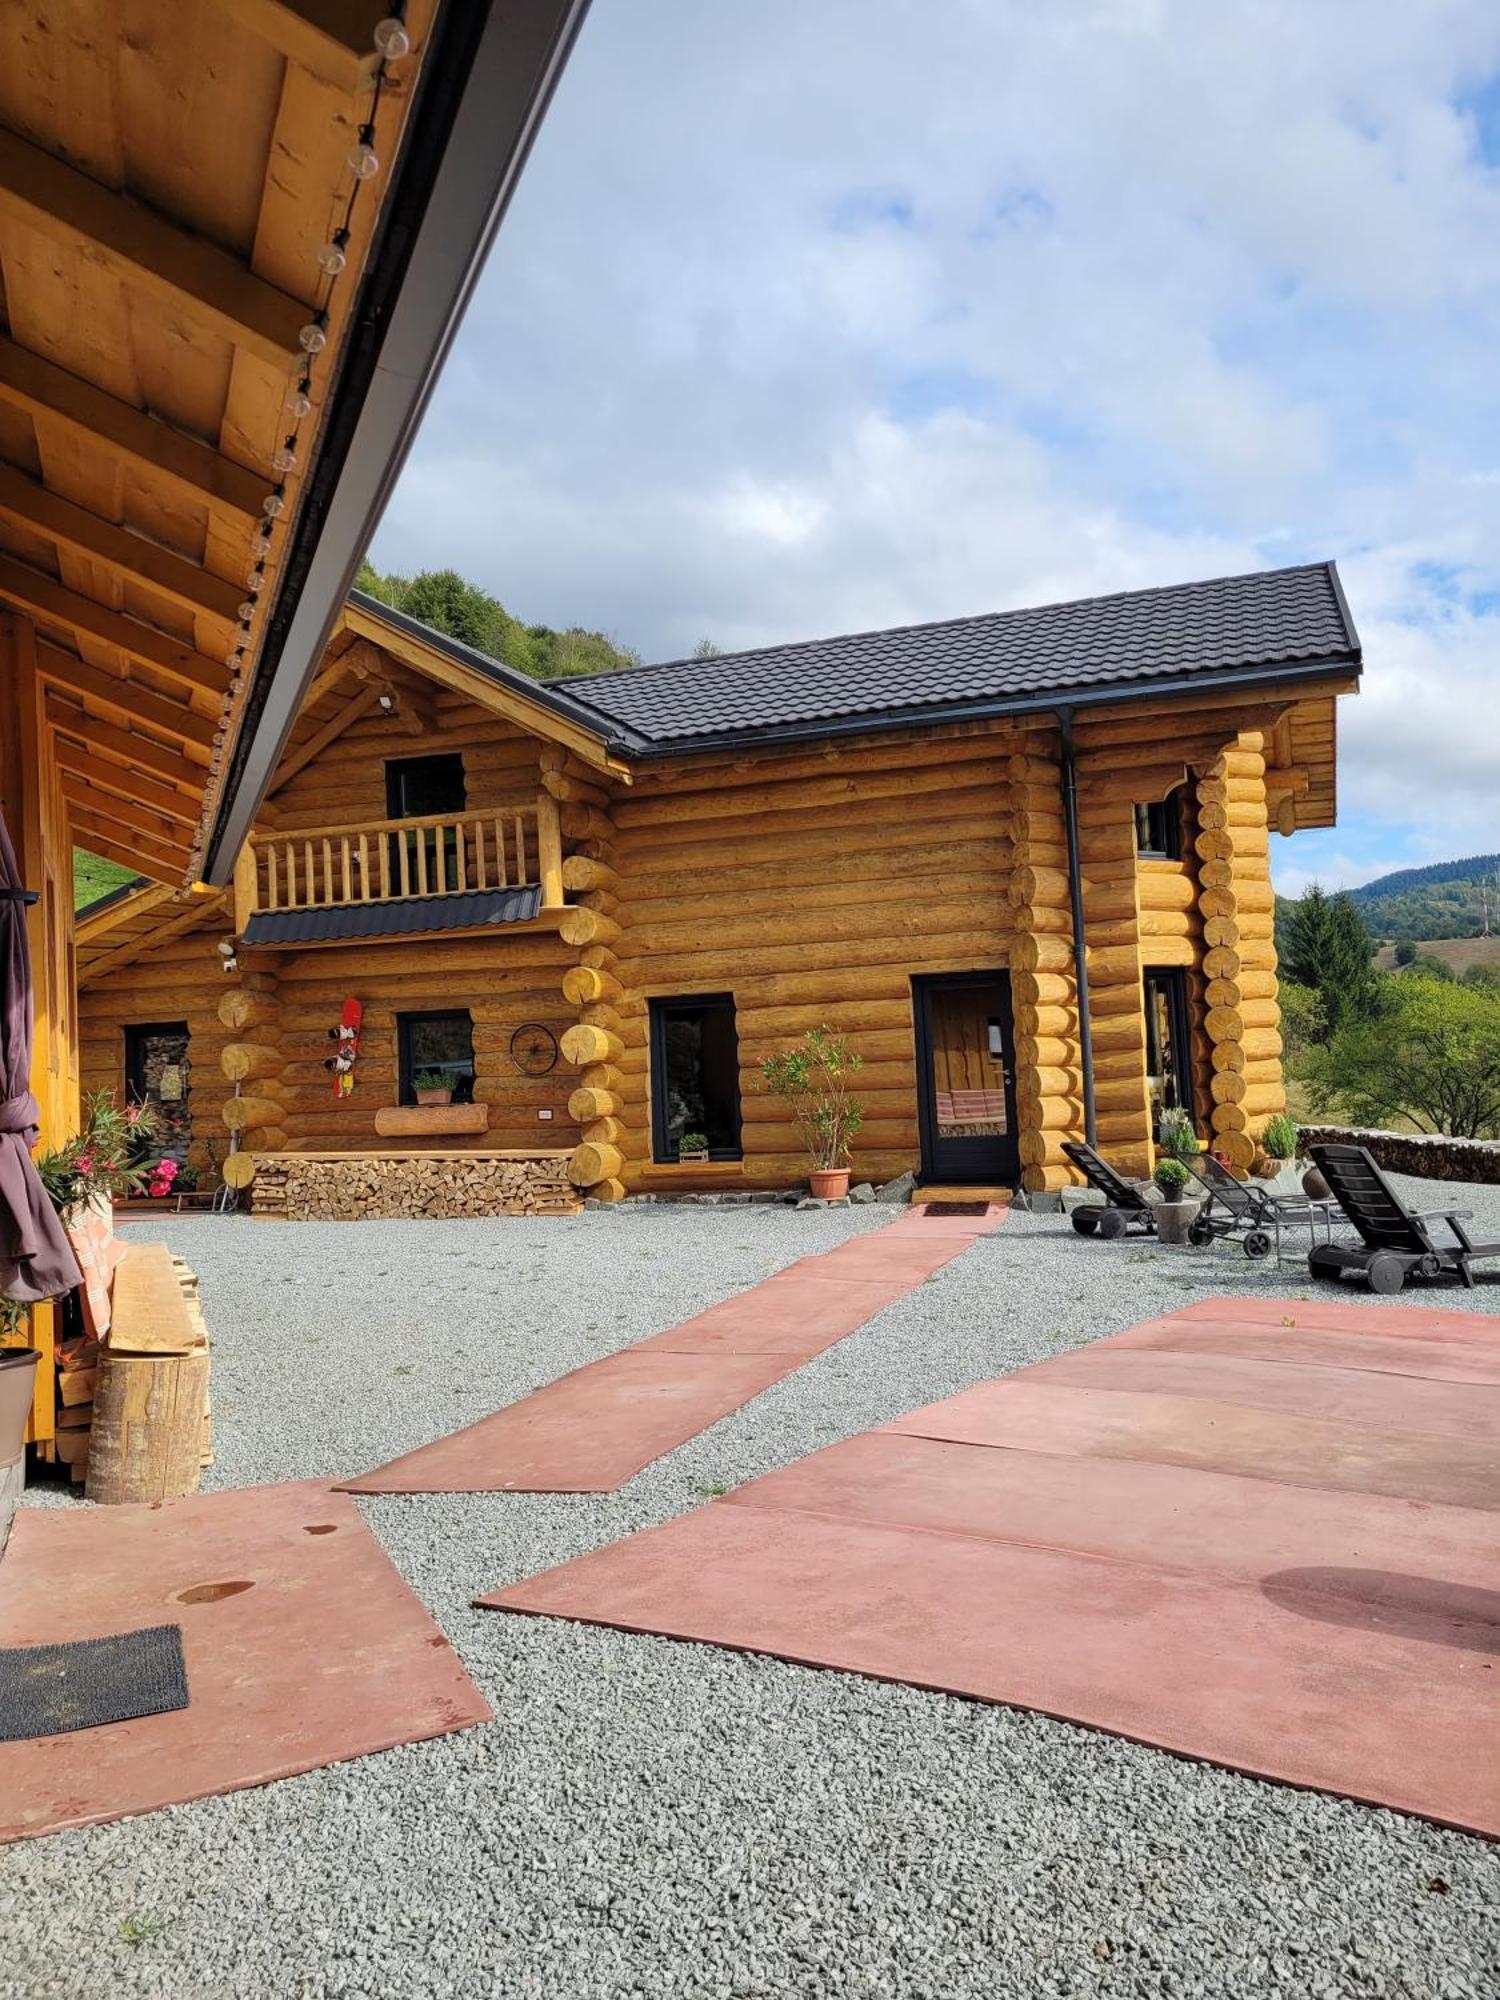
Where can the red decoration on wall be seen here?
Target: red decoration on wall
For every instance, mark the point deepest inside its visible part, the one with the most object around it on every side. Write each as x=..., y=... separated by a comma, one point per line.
x=346, y=1055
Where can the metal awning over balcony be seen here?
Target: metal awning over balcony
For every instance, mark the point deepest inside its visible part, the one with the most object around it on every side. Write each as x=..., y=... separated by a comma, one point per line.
x=475, y=909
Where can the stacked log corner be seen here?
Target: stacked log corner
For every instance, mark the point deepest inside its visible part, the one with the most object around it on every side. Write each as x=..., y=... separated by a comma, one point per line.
x=252, y=1063
x=1044, y=992
x=1107, y=849
x=1243, y=1019
x=595, y=1043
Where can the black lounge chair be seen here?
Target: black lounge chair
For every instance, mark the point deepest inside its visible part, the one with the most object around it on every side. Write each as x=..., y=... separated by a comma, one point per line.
x=1124, y=1206
x=1396, y=1241
x=1240, y=1208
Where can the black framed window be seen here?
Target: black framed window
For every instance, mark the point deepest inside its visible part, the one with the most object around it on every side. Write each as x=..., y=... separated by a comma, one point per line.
x=437, y=1043
x=695, y=1075
x=1158, y=828
x=424, y=787
x=1169, y=1045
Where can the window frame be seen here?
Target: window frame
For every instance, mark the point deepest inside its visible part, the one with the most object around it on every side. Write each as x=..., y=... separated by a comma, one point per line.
x=1165, y=816
x=406, y=1069
x=1179, y=1027
x=660, y=1010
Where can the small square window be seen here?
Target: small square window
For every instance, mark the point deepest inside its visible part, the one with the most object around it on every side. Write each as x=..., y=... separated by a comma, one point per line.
x=436, y=1044
x=695, y=1076
x=424, y=787
x=1158, y=828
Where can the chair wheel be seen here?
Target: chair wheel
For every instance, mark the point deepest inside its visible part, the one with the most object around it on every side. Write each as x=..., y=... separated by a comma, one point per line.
x=1321, y=1265
x=1257, y=1244
x=1085, y=1221
x=1385, y=1273
x=1201, y=1234
x=1112, y=1224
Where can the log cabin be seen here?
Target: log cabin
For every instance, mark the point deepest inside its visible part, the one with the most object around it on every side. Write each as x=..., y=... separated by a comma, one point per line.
x=1021, y=860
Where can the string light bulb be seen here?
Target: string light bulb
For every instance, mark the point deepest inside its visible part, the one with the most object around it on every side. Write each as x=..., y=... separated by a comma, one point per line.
x=284, y=458
x=334, y=255
x=247, y=610
x=298, y=401
x=274, y=505
x=391, y=38
x=314, y=336
x=260, y=545
x=364, y=161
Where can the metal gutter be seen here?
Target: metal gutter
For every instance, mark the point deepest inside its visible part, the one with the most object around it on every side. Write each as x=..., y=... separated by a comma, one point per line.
x=1075, y=901
x=484, y=86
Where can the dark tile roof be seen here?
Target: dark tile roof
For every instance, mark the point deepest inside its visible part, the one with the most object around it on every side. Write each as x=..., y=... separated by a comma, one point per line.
x=469, y=911
x=1130, y=642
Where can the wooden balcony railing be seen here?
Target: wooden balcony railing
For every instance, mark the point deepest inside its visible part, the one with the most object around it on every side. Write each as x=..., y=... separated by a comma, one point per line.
x=379, y=860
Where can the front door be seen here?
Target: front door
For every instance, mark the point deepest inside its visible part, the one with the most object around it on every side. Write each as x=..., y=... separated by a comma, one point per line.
x=966, y=1105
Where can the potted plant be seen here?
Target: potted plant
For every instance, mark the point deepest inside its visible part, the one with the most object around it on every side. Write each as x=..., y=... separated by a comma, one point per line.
x=813, y=1078
x=692, y=1147
x=1175, y=1136
x=432, y=1086
x=1174, y=1213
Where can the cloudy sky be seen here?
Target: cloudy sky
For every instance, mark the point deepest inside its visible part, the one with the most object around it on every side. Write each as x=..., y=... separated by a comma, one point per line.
x=814, y=317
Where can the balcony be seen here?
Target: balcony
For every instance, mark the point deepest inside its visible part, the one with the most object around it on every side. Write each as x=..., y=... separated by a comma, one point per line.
x=471, y=870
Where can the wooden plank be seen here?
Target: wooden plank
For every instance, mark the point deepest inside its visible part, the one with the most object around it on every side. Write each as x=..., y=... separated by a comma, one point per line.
x=334, y=39
x=143, y=249
x=127, y=701
x=199, y=473
x=125, y=843
x=140, y=903
x=396, y=1120
x=115, y=778
x=115, y=548
x=125, y=954
x=50, y=600
x=148, y=1312
x=161, y=760
x=124, y=817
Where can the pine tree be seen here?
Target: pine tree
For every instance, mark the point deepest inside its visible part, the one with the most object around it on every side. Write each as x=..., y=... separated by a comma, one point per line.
x=1325, y=945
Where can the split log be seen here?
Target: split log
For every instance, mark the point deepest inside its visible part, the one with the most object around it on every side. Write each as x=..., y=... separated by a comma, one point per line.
x=585, y=985
x=591, y=1164
x=242, y=1062
x=587, y=927
x=582, y=1045
x=239, y=1170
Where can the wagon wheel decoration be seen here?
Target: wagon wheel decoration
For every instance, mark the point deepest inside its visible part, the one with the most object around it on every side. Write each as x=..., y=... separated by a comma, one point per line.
x=533, y=1049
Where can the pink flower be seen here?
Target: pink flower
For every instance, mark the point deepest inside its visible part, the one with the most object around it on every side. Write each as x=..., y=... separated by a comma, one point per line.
x=85, y=1163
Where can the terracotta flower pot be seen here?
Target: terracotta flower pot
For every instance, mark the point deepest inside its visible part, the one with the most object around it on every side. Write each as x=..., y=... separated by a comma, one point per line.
x=828, y=1183
x=433, y=1096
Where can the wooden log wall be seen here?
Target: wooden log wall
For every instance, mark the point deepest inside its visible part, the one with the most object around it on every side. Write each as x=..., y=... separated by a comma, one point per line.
x=1243, y=1019
x=812, y=885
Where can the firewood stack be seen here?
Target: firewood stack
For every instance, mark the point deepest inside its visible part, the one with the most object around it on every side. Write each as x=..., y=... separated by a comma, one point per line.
x=135, y=1421
x=354, y=1187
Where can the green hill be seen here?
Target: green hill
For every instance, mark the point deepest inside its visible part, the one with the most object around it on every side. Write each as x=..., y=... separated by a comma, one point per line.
x=1448, y=899
x=94, y=877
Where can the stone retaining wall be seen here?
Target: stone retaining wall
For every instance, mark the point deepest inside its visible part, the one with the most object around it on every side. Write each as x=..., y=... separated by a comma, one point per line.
x=355, y=1187
x=1429, y=1157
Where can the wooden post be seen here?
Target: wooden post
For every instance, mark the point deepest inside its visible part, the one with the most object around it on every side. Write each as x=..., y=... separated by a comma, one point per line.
x=549, y=844
x=245, y=888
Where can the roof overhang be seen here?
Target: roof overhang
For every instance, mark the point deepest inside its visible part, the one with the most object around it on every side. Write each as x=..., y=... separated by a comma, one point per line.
x=484, y=86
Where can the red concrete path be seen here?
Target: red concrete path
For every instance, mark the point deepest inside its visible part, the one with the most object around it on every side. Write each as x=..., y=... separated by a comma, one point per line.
x=325, y=1655
x=599, y=1426
x=1287, y=1562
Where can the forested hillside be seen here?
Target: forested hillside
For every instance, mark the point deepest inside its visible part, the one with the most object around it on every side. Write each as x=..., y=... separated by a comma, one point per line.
x=446, y=601
x=1449, y=899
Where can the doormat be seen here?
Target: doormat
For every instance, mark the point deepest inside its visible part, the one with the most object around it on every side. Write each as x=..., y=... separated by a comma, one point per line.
x=956, y=1208
x=51, y=1690
x=1259, y=1532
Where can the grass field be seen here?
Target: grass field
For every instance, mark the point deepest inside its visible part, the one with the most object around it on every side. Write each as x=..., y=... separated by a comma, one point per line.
x=93, y=877
x=1460, y=953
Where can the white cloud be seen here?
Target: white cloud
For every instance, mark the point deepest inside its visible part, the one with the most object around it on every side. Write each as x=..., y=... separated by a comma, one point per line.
x=813, y=318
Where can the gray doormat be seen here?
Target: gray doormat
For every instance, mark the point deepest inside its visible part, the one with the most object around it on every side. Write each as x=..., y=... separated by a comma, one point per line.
x=50, y=1690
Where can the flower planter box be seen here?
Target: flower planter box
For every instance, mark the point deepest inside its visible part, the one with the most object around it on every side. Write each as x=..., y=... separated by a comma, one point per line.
x=417, y=1120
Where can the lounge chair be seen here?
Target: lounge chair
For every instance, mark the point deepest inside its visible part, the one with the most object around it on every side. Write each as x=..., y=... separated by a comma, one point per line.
x=1397, y=1241
x=1124, y=1206
x=1239, y=1208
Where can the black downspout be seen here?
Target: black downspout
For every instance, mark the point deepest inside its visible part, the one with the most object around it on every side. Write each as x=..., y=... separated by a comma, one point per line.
x=1075, y=897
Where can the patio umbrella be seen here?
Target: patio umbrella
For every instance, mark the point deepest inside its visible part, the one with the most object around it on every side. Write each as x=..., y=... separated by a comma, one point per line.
x=36, y=1260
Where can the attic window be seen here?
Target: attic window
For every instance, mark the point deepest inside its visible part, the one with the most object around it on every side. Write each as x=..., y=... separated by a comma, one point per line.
x=1158, y=828
x=424, y=787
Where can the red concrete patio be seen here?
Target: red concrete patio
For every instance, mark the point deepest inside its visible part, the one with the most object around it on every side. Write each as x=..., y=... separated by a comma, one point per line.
x=1263, y=1533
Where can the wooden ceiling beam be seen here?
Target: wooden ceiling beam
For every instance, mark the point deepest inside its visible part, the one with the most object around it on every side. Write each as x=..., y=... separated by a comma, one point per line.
x=111, y=848
x=117, y=820
x=143, y=249
x=84, y=761
x=158, y=760
x=125, y=702
x=120, y=910
x=44, y=596
x=125, y=954
x=335, y=39
x=119, y=550
x=30, y=382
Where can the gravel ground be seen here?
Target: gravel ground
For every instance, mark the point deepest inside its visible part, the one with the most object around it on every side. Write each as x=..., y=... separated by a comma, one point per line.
x=658, y=1820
